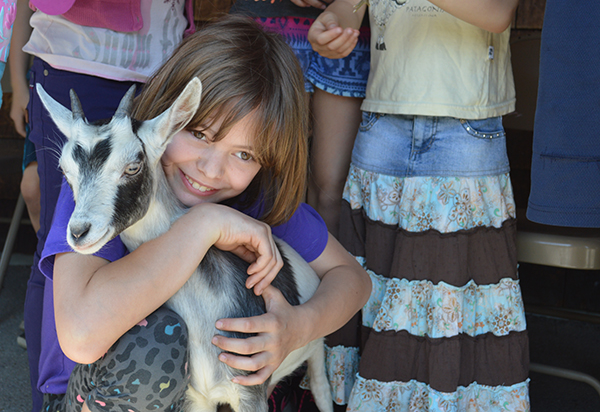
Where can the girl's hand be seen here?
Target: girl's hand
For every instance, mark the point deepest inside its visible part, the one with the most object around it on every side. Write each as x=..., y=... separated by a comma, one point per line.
x=18, y=108
x=277, y=336
x=329, y=40
x=247, y=238
x=314, y=3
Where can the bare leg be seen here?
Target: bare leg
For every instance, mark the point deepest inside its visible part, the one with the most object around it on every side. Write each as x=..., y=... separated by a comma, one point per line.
x=30, y=189
x=85, y=408
x=335, y=124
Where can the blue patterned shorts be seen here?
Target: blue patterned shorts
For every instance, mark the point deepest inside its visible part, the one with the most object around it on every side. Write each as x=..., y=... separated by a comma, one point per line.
x=343, y=77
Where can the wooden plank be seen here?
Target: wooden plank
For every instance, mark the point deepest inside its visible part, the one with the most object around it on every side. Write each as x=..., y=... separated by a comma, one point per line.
x=530, y=14
x=207, y=10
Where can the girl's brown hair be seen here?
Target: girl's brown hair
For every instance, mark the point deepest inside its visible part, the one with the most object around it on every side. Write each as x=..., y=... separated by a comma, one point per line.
x=244, y=71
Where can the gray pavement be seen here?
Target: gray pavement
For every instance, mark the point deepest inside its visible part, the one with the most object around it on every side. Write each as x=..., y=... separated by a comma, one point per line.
x=15, y=392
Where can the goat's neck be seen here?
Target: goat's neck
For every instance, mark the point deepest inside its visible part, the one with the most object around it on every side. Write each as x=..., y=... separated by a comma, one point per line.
x=163, y=210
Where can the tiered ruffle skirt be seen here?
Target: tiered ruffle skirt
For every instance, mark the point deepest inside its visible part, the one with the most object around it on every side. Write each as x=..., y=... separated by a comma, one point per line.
x=444, y=328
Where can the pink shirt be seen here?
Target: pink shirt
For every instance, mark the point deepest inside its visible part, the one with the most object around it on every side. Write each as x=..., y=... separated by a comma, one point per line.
x=123, y=16
x=93, y=38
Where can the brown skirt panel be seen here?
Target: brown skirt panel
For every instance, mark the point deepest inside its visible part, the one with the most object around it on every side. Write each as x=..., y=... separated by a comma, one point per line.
x=445, y=363
x=482, y=254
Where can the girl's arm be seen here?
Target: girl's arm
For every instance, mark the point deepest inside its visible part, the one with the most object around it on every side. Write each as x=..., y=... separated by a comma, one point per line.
x=97, y=301
x=334, y=33
x=18, y=64
x=344, y=289
x=491, y=15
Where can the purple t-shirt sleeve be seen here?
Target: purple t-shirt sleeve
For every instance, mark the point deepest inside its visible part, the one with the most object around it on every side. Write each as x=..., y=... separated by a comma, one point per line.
x=56, y=242
x=306, y=232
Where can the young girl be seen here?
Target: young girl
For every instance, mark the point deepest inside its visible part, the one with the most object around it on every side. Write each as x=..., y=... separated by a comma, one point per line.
x=429, y=209
x=336, y=88
x=99, y=49
x=245, y=147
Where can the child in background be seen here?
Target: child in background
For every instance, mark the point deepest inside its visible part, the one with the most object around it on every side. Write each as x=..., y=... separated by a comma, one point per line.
x=8, y=14
x=429, y=210
x=19, y=65
x=99, y=49
x=337, y=87
x=245, y=147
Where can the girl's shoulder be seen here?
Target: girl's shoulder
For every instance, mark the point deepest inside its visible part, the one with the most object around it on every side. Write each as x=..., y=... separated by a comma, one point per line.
x=306, y=232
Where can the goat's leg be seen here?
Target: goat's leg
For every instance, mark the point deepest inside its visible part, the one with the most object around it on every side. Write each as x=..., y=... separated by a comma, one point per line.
x=319, y=384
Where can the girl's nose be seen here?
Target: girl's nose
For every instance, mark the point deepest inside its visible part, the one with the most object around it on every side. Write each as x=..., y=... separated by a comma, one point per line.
x=211, y=164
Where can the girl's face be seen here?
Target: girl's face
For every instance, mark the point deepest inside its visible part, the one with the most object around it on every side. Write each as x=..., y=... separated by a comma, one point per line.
x=200, y=169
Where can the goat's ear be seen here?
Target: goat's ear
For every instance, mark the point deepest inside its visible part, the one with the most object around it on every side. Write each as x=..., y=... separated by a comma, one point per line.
x=158, y=131
x=62, y=117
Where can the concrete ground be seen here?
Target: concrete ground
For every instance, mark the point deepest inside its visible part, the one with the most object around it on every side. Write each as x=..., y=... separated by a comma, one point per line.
x=15, y=390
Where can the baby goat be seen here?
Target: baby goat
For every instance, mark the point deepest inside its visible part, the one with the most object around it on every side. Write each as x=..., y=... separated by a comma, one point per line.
x=119, y=187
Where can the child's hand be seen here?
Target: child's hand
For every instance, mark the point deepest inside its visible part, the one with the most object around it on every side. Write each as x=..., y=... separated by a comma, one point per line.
x=18, y=109
x=277, y=332
x=329, y=39
x=314, y=3
x=247, y=238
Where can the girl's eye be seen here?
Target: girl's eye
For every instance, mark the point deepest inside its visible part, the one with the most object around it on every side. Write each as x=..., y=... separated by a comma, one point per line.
x=133, y=169
x=198, y=134
x=244, y=156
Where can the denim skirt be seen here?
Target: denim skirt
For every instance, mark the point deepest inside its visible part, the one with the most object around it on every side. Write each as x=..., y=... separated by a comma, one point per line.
x=406, y=146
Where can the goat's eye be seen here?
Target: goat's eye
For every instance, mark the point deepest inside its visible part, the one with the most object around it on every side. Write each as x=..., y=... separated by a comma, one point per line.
x=133, y=169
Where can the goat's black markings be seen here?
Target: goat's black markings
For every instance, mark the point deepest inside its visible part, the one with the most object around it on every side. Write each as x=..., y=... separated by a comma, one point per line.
x=90, y=163
x=135, y=125
x=227, y=274
x=132, y=200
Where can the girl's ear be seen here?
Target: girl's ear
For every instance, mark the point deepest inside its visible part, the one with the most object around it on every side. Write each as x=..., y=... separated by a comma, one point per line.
x=61, y=116
x=158, y=132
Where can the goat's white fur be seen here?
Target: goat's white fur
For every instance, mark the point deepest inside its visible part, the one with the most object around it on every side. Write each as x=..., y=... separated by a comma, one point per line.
x=210, y=383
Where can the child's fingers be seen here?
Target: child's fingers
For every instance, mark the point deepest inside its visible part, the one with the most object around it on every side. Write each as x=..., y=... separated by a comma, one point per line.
x=343, y=42
x=252, y=363
x=258, y=363
x=254, y=378
x=325, y=37
x=307, y=3
x=348, y=47
x=263, y=270
x=255, y=324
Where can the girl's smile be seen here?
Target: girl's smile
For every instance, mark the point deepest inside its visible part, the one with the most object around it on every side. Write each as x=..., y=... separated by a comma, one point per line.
x=200, y=169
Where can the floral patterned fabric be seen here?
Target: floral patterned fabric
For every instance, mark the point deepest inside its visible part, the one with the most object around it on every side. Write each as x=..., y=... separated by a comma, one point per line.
x=477, y=329
x=342, y=367
x=8, y=12
x=412, y=396
x=425, y=309
x=417, y=204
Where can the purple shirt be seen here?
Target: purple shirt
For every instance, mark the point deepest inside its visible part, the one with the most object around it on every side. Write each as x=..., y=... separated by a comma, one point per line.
x=305, y=232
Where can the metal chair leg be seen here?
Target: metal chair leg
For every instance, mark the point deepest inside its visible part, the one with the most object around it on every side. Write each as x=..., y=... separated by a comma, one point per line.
x=11, y=236
x=566, y=374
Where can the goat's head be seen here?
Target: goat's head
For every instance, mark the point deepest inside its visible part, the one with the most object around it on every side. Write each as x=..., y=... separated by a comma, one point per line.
x=111, y=166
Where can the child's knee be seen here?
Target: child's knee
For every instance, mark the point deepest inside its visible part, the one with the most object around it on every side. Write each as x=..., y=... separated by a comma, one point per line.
x=30, y=184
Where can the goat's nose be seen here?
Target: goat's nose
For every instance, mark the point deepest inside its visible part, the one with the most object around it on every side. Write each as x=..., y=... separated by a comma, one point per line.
x=79, y=231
